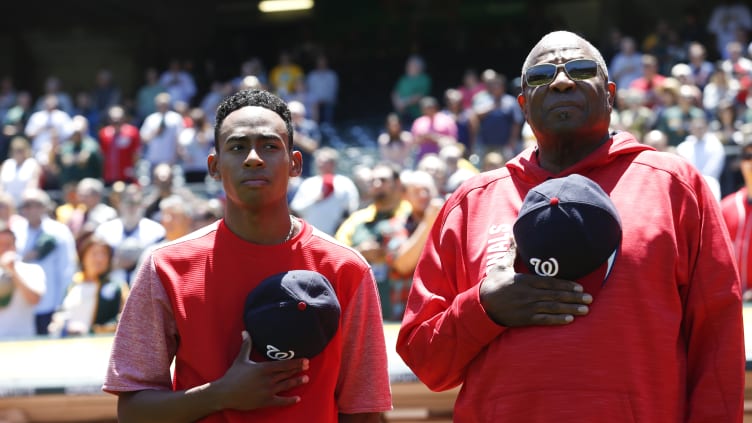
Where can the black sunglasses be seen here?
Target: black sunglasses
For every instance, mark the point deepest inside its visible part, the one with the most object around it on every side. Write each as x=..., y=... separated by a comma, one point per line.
x=746, y=155
x=576, y=70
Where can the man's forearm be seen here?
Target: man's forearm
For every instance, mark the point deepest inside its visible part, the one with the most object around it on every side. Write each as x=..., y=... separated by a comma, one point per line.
x=360, y=418
x=166, y=406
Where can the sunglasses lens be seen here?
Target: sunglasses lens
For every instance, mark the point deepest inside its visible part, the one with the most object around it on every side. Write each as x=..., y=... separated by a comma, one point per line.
x=747, y=155
x=581, y=69
x=540, y=74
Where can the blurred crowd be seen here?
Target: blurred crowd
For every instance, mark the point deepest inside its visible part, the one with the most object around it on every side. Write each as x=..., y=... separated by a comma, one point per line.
x=90, y=182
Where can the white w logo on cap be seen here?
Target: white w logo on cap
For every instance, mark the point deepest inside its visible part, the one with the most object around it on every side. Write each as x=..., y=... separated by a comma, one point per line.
x=275, y=354
x=549, y=267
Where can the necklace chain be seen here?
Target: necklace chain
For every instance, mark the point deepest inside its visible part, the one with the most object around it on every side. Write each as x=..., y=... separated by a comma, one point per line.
x=292, y=229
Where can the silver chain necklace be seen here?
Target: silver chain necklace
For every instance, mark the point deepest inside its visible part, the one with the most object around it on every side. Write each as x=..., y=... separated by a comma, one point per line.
x=292, y=229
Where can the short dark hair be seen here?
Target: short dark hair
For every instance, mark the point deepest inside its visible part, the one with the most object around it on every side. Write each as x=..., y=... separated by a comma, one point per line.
x=260, y=98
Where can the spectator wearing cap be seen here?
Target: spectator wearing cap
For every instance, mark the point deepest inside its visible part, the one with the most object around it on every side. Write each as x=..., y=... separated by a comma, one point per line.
x=326, y=199
x=79, y=156
x=683, y=73
x=50, y=244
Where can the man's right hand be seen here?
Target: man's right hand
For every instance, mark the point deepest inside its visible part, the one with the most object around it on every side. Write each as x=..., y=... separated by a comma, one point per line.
x=516, y=299
x=249, y=385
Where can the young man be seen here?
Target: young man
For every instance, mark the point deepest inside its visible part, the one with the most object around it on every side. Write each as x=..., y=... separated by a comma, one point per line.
x=661, y=341
x=187, y=301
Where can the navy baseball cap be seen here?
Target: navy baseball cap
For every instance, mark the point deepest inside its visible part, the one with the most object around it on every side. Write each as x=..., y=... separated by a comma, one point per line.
x=292, y=314
x=569, y=228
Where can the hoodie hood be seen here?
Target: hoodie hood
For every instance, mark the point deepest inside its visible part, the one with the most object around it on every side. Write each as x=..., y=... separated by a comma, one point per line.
x=526, y=166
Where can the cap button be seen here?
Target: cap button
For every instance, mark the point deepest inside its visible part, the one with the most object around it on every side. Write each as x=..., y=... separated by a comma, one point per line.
x=302, y=306
x=555, y=201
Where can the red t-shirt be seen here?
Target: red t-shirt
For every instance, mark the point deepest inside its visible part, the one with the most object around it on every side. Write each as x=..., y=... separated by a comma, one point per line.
x=187, y=303
x=119, y=150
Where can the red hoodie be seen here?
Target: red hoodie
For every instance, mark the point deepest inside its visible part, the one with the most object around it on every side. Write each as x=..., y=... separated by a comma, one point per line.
x=737, y=212
x=663, y=341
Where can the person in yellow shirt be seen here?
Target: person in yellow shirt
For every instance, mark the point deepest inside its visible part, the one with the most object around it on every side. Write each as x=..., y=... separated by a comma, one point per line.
x=283, y=76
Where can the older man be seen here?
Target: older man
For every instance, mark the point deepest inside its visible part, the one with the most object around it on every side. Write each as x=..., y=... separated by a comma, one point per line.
x=660, y=341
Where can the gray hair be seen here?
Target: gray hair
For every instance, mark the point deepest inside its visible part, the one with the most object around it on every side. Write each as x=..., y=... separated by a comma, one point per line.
x=177, y=204
x=91, y=186
x=419, y=178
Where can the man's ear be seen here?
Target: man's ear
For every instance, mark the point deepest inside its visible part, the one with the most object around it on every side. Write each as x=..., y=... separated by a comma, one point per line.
x=611, y=87
x=522, y=101
x=296, y=163
x=211, y=165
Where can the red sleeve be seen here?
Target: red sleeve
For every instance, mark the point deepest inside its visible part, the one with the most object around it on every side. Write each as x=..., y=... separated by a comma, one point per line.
x=444, y=326
x=713, y=318
x=730, y=213
x=363, y=385
x=146, y=338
